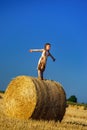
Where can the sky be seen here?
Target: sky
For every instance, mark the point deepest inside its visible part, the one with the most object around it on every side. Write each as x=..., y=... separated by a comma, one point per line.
x=29, y=24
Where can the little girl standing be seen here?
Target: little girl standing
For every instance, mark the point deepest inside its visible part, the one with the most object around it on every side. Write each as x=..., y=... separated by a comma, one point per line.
x=43, y=59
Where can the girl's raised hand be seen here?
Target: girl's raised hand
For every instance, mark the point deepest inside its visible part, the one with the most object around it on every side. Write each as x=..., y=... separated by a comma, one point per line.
x=30, y=50
x=54, y=59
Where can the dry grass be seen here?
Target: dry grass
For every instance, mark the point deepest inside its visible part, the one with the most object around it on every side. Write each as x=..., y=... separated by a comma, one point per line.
x=74, y=119
x=27, y=97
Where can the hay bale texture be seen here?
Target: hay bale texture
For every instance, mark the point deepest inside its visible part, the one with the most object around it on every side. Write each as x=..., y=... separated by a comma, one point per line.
x=28, y=97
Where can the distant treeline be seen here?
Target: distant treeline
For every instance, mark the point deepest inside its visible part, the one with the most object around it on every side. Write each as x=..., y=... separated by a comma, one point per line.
x=77, y=104
x=1, y=91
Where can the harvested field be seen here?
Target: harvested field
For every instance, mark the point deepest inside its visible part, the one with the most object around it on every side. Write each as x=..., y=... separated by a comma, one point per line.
x=75, y=119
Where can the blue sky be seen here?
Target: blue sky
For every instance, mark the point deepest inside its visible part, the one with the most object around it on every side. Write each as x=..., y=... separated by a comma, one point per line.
x=30, y=24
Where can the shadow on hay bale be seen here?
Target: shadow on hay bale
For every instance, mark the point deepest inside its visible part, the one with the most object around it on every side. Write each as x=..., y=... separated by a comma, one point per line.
x=0, y=97
x=28, y=97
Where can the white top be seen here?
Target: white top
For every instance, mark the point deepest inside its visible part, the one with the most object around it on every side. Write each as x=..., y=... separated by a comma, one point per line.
x=43, y=58
x=44, y=55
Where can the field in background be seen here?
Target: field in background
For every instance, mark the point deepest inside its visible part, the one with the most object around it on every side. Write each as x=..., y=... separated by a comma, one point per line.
x=75, y=119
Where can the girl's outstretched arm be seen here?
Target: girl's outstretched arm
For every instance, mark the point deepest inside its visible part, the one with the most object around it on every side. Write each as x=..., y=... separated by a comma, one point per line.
x=36, y=50
x=52, y=57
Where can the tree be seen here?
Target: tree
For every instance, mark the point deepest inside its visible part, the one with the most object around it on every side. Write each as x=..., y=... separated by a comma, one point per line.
x=73, y=98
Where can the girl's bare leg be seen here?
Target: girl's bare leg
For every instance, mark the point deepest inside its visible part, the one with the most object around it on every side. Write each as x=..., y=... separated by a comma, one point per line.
x=40, y=74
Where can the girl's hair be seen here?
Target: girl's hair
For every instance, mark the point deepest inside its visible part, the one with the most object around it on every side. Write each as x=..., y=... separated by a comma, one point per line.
x=46, y=45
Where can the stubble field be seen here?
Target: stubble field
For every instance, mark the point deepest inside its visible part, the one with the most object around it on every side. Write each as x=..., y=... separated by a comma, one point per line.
x=75, y=119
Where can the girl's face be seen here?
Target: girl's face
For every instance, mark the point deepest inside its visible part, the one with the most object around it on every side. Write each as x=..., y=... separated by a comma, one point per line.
x=48, y=47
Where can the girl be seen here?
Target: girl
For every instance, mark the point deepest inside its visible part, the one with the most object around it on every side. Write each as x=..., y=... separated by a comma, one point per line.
x=43, y=59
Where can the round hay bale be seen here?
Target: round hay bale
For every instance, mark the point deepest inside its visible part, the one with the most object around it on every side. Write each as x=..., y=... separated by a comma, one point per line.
x=29, y=97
